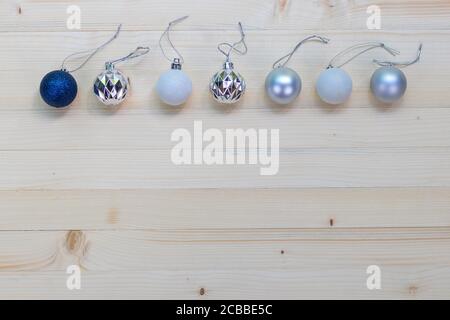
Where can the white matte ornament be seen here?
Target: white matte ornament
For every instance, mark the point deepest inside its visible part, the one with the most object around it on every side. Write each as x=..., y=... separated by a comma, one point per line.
x=334, y=86
x=174, y=87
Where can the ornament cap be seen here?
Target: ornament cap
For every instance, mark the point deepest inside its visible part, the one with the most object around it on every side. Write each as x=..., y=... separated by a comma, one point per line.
x=228, y=65
x=109, y=66
x=176, y=64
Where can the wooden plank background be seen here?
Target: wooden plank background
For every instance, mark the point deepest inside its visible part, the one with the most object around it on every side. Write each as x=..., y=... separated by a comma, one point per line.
x=360, y=185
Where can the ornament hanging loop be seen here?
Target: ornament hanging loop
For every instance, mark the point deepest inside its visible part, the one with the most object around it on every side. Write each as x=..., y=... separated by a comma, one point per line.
x=368, y=47
x=400, y=64
x=90, y=53
x=138, y=52
x=166, y=34
x=285, y=59
x=240, y=47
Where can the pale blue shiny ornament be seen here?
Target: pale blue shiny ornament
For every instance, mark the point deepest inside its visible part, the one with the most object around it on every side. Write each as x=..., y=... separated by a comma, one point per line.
x=283, y=85
x=388, y=84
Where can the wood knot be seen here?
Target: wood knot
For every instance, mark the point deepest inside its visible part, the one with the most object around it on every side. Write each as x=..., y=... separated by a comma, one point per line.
x=113, y=216
x=75, y=240
x=19, y=10
x=413, y=290
x=331, y=3
x=282, y=4
x=331, y=222
x=202, y=291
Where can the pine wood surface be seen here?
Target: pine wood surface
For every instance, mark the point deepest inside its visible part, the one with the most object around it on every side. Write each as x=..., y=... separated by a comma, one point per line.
x=359, y=185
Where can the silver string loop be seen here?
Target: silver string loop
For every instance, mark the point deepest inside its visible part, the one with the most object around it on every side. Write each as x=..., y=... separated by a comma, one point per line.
x=279, y=63
x=166, y=34
x=369, y=45
x=235, y=47
x=138, y=52
x=401, y=64
x=91, y=52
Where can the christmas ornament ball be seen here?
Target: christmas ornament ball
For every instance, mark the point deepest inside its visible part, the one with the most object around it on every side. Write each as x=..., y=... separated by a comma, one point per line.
x=174, y=87
x=334, y=86
x=283, y=85
x=227, y=86
x=58, y=88
x=388, y=84
x=111, y=87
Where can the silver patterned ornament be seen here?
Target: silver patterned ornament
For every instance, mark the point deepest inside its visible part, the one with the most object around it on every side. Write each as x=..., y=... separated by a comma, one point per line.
x=227, y=85
x=111, y=86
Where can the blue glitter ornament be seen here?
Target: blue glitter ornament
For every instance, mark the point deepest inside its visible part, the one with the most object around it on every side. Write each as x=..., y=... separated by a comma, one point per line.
x=58, y=89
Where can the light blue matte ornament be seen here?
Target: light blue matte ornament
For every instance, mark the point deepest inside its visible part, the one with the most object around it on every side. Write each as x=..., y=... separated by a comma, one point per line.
x=334, y=86
x=283, y=85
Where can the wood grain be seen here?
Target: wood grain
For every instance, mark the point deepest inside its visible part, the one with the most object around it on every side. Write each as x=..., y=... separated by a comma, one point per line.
x=229, y=209
x=120, y=169
x=228, y=264
x=32, y=15
x=359, y=185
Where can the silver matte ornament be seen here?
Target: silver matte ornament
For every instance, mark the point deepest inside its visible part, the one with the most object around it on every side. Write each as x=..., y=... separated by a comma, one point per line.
x=227, y=85
x=111, y=86
x=283, y=85
x=388, y=83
